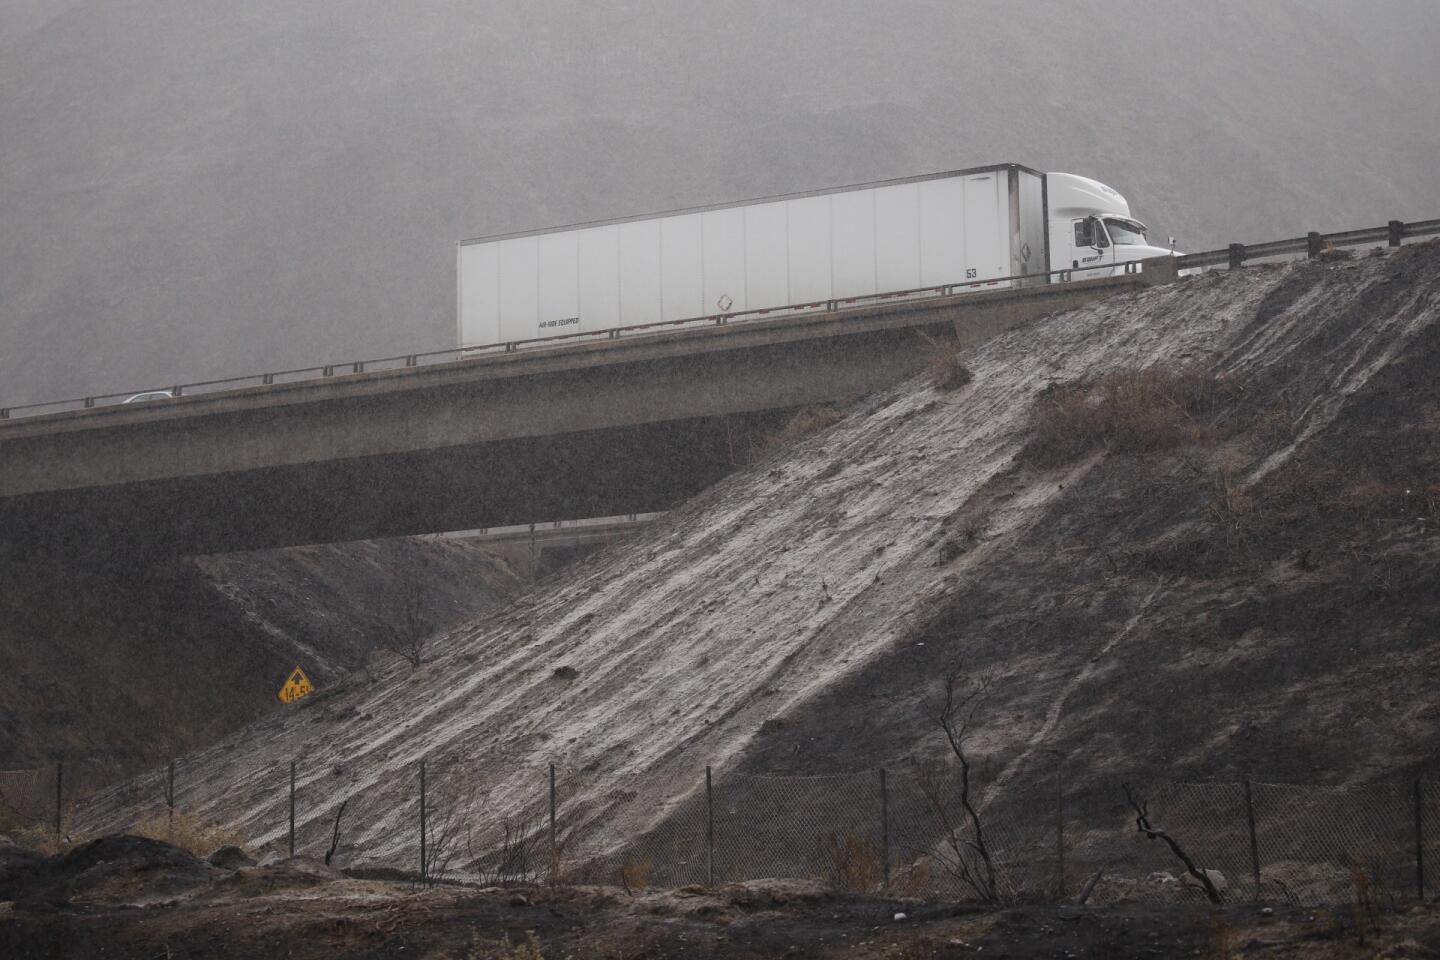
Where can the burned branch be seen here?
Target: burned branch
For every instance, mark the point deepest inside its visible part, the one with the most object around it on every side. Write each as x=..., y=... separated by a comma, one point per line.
x=967, y=856
x=335, y=833
x=408, y=630
x=1143, y=825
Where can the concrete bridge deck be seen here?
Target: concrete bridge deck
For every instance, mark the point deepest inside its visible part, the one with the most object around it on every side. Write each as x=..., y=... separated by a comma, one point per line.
x=601, y=428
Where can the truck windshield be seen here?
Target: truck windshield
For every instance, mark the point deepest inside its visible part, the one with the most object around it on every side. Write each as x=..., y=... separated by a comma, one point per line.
x=1126, y=233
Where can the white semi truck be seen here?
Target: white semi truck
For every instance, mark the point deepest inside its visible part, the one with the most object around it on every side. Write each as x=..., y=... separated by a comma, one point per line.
x=974, y=229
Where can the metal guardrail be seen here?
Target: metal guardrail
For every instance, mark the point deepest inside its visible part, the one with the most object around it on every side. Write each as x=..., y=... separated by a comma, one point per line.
x=1236, y=255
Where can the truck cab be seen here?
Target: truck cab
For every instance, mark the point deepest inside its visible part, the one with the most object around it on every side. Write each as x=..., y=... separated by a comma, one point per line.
x=1091, y=226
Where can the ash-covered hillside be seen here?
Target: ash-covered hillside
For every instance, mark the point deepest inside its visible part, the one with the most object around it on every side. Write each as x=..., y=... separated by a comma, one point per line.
x=1189, y=532
x=114, y=666
x=211, y=189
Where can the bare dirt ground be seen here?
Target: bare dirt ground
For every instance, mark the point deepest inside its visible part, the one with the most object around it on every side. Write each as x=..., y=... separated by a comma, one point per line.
x=125, y=897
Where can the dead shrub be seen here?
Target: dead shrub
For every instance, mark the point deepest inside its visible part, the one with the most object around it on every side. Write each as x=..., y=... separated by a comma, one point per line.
x=42, y=838
x=1126, y=411
x=1369, y=899
x=517, y=862
x=854, y=865
x=809, y=421
x=1232, y=509
x=912, y=880
x=635, y=875
x=189, y=833
x=503, y=949
x=1222, y=939
x=942, y=365
x=749, y=448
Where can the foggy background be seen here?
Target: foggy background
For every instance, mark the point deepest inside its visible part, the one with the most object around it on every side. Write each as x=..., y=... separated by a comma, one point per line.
x=203, y=188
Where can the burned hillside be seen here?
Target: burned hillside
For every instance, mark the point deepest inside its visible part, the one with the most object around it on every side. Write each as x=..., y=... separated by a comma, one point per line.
x=1247, y=595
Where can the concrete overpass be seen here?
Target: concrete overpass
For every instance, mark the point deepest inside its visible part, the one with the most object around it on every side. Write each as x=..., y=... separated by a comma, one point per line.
x=602, y=428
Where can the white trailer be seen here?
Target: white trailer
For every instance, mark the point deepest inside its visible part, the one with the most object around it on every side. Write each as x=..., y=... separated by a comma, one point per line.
x=803, y=251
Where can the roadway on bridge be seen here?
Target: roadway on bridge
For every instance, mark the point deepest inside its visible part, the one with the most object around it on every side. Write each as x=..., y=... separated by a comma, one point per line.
x=628, y=425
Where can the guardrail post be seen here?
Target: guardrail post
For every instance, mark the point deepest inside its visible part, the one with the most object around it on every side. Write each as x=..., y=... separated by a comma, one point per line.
x=327, y=371
x=1313, y=245
x=1397, y=232
x=410, y=360
x=268, y=379
x=89, y=402
x=1237, y=255
x=358, y=367
x=4, y=413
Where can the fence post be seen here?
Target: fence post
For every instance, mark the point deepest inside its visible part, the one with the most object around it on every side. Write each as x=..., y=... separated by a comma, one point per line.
x=1060, y=830
x=554, y=856
x=885, y=827
x=1397, y=232
x=1254, y=840
x=1419, y=843
x=1313, y=245
x=170, y=795
x=423, y=872
x=709, y=830
x=59, y=797
x=1237, y=255
x=292, y=808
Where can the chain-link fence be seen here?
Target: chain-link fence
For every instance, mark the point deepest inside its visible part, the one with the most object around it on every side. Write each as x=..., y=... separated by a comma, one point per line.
x=910, y=831
x=39, y=800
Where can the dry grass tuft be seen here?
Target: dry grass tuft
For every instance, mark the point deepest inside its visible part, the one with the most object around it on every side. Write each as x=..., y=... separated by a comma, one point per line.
x=1126, y=411
x=1222, y=939
x=42, y=838
x=188, y=833
x=503, y=949
x=854, y=865
x=807, y=422
x=943, y=366
x=635, y=875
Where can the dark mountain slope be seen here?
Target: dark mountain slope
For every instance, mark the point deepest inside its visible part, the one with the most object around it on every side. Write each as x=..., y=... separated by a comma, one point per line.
x=117, y=667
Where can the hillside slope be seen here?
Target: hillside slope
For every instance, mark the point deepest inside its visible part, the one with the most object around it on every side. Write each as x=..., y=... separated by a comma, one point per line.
x=212, y=189
x=111, y=668
x=1255, y=597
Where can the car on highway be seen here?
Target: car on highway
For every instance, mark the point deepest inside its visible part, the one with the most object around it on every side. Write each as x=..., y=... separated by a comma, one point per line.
x=151, y=395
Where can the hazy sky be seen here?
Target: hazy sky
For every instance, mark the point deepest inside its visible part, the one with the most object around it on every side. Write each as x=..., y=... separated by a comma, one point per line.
x=203, y=188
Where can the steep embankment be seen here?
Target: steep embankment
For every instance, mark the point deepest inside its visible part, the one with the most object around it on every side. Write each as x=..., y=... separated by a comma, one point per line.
x=119, y=667
x=1252, y=596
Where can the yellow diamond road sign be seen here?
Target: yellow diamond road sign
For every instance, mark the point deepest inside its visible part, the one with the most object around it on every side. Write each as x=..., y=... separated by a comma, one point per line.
x=296, y=687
